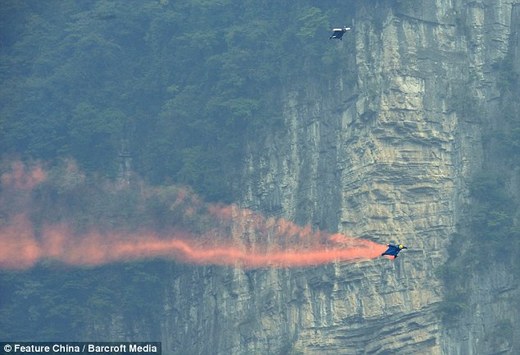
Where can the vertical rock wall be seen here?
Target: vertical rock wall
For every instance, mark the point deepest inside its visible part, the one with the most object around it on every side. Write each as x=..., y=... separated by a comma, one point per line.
x=387, y=156
x=491, y=313
x=383, y=150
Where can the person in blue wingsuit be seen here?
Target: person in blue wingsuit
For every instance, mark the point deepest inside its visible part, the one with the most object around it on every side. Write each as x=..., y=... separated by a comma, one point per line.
x=393, y=250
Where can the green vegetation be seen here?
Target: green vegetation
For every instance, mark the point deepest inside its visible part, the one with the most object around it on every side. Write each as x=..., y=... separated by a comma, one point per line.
x=185, y=83
x=494, y=209
x=492, y=215
x=55, y=301
x=51, y=302
x=182, y=85
x=491, y=232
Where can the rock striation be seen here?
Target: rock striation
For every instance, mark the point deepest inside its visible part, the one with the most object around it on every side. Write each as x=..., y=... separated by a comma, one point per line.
x=387, y=155
x=383, y=149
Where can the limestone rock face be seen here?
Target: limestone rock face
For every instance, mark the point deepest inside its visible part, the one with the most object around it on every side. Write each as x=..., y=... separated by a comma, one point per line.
x=384, y=151
x=387, y=156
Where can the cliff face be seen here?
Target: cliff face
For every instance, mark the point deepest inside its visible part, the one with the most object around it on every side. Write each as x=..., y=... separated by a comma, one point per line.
x=375, y=157
x=384, y=151
x=491, y=314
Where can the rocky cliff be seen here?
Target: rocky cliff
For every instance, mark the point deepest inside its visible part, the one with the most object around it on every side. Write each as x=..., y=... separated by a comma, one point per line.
x=386, y=152
x=383, y=149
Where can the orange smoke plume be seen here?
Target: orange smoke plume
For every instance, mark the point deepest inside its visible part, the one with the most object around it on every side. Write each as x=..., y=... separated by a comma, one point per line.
x=224, y=235
x=21, y=249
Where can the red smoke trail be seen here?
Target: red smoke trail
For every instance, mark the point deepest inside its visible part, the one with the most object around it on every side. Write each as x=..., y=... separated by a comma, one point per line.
x=21, y=249
x=234, y=236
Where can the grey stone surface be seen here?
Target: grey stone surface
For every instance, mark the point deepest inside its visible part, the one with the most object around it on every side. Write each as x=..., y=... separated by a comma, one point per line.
x=384, y=152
